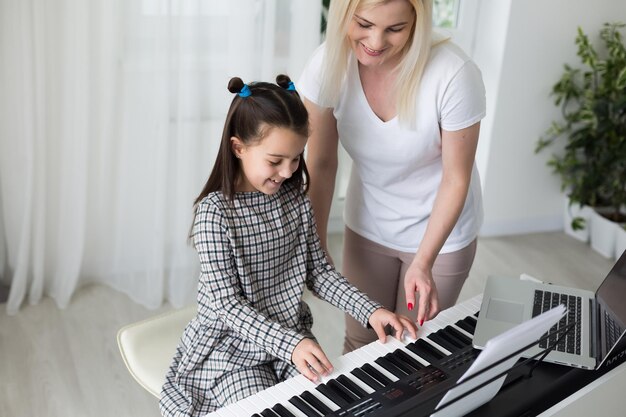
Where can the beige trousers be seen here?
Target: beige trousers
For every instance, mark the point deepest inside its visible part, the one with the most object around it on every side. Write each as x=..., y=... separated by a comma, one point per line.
x=379, y=272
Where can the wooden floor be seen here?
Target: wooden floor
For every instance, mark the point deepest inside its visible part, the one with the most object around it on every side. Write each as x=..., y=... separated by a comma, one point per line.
x=66, y=362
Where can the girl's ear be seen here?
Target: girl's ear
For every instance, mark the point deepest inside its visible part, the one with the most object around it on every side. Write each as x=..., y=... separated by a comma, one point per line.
x=237, y=146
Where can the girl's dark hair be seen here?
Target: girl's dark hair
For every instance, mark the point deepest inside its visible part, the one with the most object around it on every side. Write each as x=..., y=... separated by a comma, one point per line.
x=268, y=106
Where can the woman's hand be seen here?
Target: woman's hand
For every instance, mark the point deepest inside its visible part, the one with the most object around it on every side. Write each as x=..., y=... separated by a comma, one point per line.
x=311, y=360
x=419, y=280
x=381, y=318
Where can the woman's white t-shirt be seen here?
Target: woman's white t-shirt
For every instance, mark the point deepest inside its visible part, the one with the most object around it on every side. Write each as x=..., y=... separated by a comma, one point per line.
x=397, y=170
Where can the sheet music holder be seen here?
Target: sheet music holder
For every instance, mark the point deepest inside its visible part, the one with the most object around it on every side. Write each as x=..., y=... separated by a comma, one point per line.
x=482, y=381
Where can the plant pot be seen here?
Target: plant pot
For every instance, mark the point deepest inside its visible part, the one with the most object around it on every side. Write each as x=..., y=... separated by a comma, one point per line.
x=573, y=211
x=620, y=240
x=602, y=234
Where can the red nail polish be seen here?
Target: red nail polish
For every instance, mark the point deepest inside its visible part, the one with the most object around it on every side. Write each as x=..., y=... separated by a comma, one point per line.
x=410, y=306
x=421, y=322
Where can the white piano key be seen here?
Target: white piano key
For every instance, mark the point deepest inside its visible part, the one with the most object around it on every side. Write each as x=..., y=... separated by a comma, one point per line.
x=466, y=333
x=311, y=388
x=280, y=398
x=256, y=403
x=236, y=410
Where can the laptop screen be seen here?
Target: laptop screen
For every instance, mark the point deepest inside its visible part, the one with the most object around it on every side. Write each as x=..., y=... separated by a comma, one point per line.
x=611, y=306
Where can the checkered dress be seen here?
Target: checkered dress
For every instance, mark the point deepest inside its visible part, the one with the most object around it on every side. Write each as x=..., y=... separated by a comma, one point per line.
x=256, y=256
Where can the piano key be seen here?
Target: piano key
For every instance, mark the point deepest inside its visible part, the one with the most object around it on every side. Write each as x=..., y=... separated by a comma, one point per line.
x=304, y=407
x=425, y=350
x=462, y=337
x=342, y=390
x=443, y=342
x=282, y=411
x=391, y=357
x=352, y=386
x=404, y=355
x=275, y=395
x=399, y=373
x=313, y=397
x=350, y=375
x=332, y=395
x=394, y=344
x=375, y=373
x=373, y=353
x=366, y=378
x=269, y=413
x=318, y=403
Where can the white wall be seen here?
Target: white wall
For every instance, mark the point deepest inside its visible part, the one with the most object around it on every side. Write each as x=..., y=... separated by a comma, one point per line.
x=521, y=46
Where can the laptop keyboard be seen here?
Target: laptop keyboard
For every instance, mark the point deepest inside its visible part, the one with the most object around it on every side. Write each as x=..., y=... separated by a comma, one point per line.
x=546, y=300
x=612, y=329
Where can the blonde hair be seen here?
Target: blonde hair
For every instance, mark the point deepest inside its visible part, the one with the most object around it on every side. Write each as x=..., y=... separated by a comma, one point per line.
x=409, y=70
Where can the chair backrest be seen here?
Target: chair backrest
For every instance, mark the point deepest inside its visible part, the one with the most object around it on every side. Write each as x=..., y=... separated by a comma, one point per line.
x=148, y=346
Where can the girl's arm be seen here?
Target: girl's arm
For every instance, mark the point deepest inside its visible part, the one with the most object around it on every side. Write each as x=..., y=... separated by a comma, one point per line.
x=220, y=289
x=458, y=152
x=329, y=285
x=321, y=161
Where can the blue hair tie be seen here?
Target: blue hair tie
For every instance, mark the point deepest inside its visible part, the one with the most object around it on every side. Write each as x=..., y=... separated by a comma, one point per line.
x=245, y=91
x=291, y=86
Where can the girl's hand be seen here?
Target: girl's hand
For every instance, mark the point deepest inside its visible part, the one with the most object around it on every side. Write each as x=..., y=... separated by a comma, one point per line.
x=311, y=360
x=420, y=280
x=381, y=317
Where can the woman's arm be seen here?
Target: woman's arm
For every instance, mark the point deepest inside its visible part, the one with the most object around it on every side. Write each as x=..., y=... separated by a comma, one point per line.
x=321, y=160
x=458, y=150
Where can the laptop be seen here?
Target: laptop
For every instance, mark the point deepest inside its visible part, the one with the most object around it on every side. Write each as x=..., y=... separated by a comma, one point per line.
x=600, y=318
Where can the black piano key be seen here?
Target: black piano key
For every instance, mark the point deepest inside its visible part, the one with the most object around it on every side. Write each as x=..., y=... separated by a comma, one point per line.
x=366, y=379
x=256, y=415
x=443, y=342
x=376, y=374
x=316, y=403
x=459, y=335
x=390, y=367
x=425, y=351
x=391, y=357
x=346, y=382
x=451, y=339
x=465, y=326
x=269, y=413
x=340, y=389
x=409, y=359
x=282, y=411
x=332, y=395
x=303, y=406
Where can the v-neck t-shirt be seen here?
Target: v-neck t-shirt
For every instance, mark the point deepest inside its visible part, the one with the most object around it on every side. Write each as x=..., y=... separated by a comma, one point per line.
x=396, y=170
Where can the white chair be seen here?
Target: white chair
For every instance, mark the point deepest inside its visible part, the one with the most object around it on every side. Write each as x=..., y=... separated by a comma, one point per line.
x=148, y=346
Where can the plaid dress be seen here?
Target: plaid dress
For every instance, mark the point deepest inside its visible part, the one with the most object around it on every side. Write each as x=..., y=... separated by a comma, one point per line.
x=256, y=253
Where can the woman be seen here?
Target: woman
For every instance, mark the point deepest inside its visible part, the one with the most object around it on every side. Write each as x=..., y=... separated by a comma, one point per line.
x=406, y=106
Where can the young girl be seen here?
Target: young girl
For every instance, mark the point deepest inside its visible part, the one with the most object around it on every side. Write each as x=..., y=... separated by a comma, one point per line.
x=258, y=247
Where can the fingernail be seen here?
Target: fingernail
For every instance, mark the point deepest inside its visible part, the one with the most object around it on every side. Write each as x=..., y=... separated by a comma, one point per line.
x=410, y=306
x=421, y=322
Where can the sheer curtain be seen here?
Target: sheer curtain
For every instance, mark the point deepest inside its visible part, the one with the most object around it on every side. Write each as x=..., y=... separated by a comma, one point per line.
x=110, y=118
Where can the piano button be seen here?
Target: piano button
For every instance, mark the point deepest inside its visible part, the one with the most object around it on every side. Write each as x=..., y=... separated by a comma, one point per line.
x=441, y=341
x=333, y=395
x=318, y=403
x=391, y=357
x=304, y=406
x=282, y=411
x=352, y=386
x=460, y=336
x=409, y=359
x=374, y=373
x=367, y=379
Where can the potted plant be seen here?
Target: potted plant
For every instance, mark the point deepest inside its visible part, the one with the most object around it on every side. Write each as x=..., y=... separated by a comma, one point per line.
x=592, y=165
